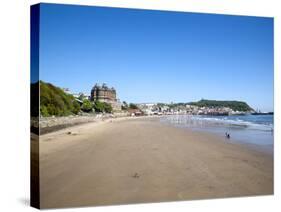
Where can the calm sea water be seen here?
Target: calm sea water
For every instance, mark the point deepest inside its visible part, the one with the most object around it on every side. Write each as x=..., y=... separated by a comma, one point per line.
x=249, y=129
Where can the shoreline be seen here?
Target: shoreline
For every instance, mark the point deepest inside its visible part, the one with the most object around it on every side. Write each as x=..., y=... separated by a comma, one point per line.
x=258, y=135
x=268, y=149
x=134, y=160
x=110, y=118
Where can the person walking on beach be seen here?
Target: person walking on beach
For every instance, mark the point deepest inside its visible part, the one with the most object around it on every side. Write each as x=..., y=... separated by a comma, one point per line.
x=227, y=135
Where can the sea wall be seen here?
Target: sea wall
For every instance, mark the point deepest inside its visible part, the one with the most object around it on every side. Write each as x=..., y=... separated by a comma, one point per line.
x=49, y=124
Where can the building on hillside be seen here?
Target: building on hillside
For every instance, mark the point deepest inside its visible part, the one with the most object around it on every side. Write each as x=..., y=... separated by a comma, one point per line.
x=105, y=94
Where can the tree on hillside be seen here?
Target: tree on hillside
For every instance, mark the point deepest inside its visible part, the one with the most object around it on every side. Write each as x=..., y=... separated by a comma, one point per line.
x=76, y=107
x=133, y=106
x=98, y=106
x=87, y=106
x=107, y=108
x=124, y=106
x=102, y=107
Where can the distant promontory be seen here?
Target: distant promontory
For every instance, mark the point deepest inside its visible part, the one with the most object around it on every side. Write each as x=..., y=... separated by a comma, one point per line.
x=234, y=105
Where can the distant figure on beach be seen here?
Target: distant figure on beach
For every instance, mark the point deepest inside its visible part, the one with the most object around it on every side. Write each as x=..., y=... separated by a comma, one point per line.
x=227, y=135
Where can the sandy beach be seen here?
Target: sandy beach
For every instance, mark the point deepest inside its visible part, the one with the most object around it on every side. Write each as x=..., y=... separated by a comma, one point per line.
x=141, y=160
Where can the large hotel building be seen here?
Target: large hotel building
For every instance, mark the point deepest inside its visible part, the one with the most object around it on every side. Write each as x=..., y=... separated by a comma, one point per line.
x=105, y=94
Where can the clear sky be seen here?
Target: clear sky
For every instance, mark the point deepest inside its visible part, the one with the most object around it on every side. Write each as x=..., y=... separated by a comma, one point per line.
x=157, y=56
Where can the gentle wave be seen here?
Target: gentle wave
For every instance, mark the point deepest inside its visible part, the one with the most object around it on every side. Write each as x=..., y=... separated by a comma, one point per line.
x=205, y=121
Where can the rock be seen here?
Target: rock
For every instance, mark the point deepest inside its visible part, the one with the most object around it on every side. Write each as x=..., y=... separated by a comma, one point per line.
x=71, y=133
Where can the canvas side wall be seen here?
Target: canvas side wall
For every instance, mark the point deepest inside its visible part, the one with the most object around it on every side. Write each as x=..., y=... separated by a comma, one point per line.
x=34, y=106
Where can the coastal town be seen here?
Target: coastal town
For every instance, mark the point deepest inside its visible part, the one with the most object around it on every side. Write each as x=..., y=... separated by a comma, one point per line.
x=103, y=93
x=60, y=108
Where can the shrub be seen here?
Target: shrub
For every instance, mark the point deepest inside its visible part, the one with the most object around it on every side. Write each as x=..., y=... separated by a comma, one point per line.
x=107, y=108
x=102, y=107
x=76, y=107
x=99, y=107
x=87, y=106
x=44, y=111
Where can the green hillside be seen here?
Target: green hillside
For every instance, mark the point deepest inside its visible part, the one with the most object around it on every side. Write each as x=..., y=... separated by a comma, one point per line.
x=54, y=101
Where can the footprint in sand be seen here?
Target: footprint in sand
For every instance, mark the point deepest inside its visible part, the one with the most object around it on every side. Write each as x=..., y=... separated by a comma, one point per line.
x=136, y=175
x=49, y=139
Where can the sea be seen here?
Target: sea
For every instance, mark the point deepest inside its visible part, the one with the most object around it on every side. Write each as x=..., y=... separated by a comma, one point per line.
x=253, y=130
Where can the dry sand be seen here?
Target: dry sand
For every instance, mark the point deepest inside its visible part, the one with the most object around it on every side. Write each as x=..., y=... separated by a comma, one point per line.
x=141, y=160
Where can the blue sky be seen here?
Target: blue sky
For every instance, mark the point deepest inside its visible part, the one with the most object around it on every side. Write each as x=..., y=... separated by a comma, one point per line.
x=157, y=56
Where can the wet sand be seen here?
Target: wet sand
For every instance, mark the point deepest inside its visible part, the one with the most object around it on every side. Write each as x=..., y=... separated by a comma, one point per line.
x=141, y=160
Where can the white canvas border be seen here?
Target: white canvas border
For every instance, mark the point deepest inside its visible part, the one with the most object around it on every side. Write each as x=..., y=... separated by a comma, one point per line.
x=14, y=105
